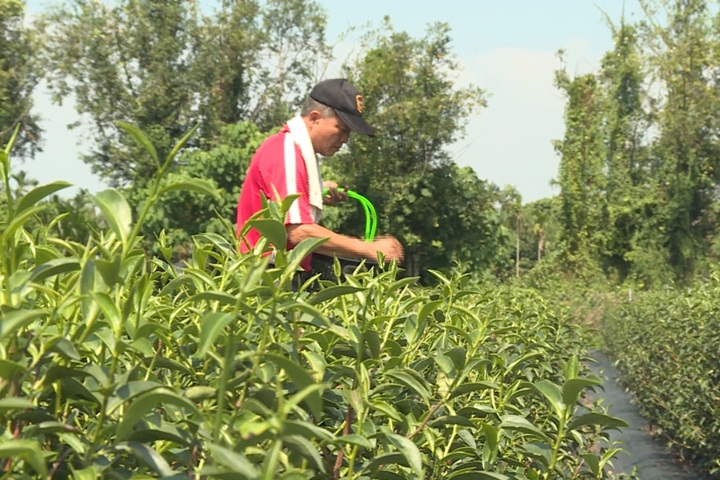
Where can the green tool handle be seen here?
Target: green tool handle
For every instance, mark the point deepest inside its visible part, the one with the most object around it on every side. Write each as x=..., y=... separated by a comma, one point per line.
x=370, y=213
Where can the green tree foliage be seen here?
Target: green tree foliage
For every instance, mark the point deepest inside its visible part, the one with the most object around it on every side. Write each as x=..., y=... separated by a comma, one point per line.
x=581, y=174
x=439, y=211
x=181, y=213
x=631, y=185
x=538, y=231
x=166, y=66
x=638, y=173
x=685, y=67
x=18, y=77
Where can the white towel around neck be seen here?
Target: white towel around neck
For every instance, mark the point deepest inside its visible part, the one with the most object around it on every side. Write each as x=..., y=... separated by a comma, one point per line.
x=299, y=134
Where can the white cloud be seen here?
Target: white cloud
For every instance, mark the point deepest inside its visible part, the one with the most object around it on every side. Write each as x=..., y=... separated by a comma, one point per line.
x=60, y=158
x=510, y=142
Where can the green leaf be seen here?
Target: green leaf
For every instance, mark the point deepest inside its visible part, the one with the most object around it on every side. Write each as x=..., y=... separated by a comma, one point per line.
x=13, y=321
x=474, y=387
x=600, y=419
x=109, y=269
x=457, y=355
x=199, y=393
x=307, y=430
x=287, y=202
x=158, y=398
x=130, y=390
x=304, y=448
x=193, y=185
x=552, y=393
x=9, y=368
x=302, y=379
x=74, y=390
x=221, y=297
x=391, y=458
x=273, y=230
x=521, y=424
x=333, y=292
x=387, y=409
x=64, y=347
x=412, y=380
x=19, y=220
x=539, y=451
x=236, y=462
x=451, y=420
x=211, y=327
x=573, y=388
x=57, y=266
x=479, y=476
x=26, y=450
x=148, y=455
x=116, y=212
x=180, y=144
x=109, y=309
x=355, y=439
x=15, y=403
x=168, y=433
x=141, y=139
x=427, y=309
x=593, y=462
x=571, y=370
x=89, y=280
x=302, y=250
x=270, y=464
x=89, y=473
x=490, y=448
x=38, y=193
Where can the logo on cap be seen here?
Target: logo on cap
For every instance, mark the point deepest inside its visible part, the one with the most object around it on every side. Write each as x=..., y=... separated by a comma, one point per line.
x=359, y=103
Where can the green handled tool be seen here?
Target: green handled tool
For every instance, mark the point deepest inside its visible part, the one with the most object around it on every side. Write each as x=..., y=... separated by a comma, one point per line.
x=370, y=213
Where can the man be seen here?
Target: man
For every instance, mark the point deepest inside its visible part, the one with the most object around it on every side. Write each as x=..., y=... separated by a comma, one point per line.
x=286, y=164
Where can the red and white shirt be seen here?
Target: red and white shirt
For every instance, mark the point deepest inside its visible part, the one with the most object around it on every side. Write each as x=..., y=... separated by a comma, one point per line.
x=277, y=170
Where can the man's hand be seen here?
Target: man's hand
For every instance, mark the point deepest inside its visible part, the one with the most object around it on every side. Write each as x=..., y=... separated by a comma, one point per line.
x=334, y=195
x=390, y=247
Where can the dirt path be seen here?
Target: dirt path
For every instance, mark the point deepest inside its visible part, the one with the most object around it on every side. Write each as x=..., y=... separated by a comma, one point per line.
x=650, y=457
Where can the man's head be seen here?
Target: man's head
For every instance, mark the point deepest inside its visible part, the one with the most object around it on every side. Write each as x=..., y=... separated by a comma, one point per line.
x=334, y=108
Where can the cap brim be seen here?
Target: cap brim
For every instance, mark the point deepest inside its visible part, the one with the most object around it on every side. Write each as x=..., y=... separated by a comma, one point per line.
x=356, y=124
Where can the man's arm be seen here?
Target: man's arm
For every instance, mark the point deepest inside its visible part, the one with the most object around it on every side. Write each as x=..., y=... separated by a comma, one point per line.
x=345, y=246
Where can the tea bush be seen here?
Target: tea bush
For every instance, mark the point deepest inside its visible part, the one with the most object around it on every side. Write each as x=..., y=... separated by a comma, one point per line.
x=666, y=344
x=114, y=364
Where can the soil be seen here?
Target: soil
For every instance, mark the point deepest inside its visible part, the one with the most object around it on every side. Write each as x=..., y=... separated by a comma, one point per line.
x=641, y=449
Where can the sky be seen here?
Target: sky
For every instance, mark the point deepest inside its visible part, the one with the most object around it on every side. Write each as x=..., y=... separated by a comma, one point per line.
x=506, y=47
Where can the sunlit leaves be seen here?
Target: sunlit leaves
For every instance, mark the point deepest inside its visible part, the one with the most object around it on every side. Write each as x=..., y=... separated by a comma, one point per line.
x=217, y=368
x=117, y=213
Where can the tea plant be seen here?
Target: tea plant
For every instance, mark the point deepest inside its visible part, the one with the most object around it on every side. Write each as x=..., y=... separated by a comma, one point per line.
x=118, y=365
x=666, y=344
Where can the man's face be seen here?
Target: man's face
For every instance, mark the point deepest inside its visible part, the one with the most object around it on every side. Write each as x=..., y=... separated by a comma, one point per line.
x=328, y=134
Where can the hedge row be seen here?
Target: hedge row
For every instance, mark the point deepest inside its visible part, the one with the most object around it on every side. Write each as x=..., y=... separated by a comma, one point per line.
x=667, y=346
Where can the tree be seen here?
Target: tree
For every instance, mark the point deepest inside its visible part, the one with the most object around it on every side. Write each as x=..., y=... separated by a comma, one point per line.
x=406, y=170
x=183, y=214
x=684, y=60
x=581, y=176
x=165, y=67
x=18, y=78
x=632, y=186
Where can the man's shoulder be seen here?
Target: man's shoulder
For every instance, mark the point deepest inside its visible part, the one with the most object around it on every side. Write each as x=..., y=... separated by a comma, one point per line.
x=274, y=141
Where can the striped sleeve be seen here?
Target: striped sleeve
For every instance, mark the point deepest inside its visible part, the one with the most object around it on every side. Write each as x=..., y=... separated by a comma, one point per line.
x=292, y=178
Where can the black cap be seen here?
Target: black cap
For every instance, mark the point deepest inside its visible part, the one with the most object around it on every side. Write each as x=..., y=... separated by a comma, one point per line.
x=346, y=102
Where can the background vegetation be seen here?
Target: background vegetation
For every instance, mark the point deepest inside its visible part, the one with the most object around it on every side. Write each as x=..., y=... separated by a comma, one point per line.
x=638, y=175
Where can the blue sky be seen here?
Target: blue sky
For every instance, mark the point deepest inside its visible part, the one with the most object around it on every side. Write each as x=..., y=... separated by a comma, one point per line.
x=507, y=47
